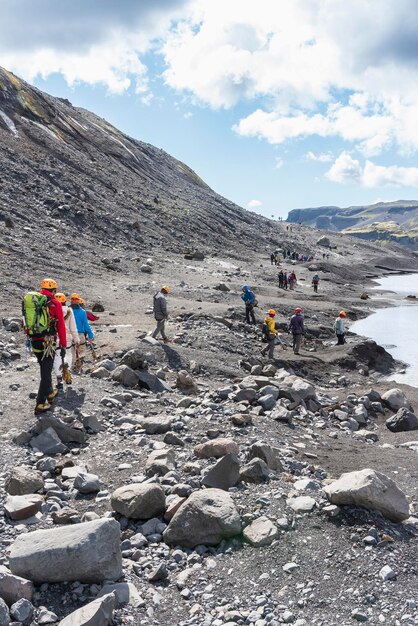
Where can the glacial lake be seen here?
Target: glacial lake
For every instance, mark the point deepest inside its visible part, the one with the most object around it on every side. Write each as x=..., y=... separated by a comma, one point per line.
x=396, y=328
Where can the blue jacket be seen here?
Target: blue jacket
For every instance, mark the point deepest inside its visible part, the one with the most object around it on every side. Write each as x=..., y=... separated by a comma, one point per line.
x=81, y=320
x=248, y=296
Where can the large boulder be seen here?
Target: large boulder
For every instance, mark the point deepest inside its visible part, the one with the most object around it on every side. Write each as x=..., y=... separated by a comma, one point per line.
x=207, y=517
x=156, y=424
x=186, y=382
x=269, y=454
x=369, y=353
x=297, y=389
x=224, y=474
x=12, y=588
x=125, y=376
x=160, y=462
x=139, y=501
x=255, y=471
x=216, y=448
x=371, y=490
x=96, y=613
x=88, y=552
x=48, y=442
x=261, y=532
x=152, y=382
x=323, y=241
x=87, y=483
x=22, y=507
x=395, y=399
x=135, y=359
x=67, y=432
x=402, y=421
x=24, y=480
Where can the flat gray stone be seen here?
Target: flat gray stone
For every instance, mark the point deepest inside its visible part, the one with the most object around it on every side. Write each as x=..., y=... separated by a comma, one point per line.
x=87, y=552
x=96, y=613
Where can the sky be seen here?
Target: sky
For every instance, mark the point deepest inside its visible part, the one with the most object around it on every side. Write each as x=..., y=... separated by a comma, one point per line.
x=276, y=104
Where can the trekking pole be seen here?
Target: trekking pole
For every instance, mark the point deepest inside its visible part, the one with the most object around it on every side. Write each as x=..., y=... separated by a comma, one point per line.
x=78, y=362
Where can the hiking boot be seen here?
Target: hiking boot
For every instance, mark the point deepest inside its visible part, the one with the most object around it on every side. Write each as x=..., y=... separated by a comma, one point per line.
x=42, y=408
x=52, y=395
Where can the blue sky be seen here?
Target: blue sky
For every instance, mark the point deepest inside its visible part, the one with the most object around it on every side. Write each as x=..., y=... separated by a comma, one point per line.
x=276, y=105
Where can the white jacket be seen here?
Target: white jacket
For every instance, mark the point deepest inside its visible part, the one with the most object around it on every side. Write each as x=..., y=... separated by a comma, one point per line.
x=339, y=326
x=70, y=326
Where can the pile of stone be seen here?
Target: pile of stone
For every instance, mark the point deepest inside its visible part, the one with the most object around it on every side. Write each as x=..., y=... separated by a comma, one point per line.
x=132, y=371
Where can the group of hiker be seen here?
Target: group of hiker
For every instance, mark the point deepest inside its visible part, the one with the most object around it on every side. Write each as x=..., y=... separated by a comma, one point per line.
x=57, y=335
x=287, y=280
x=296, y=325
x=290, y=256
x=58, y=332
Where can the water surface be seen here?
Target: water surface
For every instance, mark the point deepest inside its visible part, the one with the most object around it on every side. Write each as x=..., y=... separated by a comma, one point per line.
x=396, y=328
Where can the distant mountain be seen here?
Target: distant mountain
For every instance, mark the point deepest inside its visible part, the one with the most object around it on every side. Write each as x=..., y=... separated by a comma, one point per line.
x=390, y=221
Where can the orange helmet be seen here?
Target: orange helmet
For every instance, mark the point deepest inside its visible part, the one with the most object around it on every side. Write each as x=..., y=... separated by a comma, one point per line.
x=271, y=312
x=165, y=288
x=61, y=297
x=49, y=283
x=75, y=297
x=298, y=310
x=342, y=314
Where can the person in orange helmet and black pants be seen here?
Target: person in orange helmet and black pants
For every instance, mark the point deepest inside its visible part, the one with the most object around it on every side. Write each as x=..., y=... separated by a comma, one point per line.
x=44, y=347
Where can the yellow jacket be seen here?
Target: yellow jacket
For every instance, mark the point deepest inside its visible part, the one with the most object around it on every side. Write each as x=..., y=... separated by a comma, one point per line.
x=270, y=321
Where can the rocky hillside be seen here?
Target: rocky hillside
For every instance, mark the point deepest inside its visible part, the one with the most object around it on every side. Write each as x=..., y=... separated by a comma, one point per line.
x=67, y=171
x=384, y=221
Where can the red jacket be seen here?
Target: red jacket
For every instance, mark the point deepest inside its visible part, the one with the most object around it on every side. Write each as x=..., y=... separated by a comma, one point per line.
x=55, y=310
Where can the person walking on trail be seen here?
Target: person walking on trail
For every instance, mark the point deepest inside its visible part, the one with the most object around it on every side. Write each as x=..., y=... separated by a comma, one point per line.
x=315, y=282
x=292, y=280
x=161, y=312
x=281, y=279
x=297, y=328
x=84, y=330
x=339, y=327
x=62, y=365
x=285, y=280
x=249, y=301
x=270, y=334
x=272, y=258
x=43, y=321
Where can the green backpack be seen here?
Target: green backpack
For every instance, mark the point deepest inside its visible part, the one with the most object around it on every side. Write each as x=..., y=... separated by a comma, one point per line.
x=36, y=315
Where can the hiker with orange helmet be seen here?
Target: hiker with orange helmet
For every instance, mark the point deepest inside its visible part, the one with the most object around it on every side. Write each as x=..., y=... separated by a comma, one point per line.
x=43, y=322
x=297, y=328
x=73, y=339
x=339, y=327
x=270, y=333
x=161, y=312
x=84, y=330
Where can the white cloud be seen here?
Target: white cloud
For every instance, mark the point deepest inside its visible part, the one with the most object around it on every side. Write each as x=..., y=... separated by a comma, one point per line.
x=93, y=42
x=306, y=67
x=254, y=204
x=322, y=157
x=349, y=170
x=345, y=170
x=318, y=67
x=279, y=163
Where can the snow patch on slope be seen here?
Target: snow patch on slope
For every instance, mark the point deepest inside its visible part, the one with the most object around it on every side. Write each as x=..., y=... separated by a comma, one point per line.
x=9, y=123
